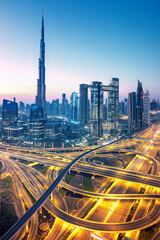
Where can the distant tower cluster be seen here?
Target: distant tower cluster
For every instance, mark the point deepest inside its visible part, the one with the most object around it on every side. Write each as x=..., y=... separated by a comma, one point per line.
x=97, y=107
x=90, y=113
x=41, y=87
x=138, y=109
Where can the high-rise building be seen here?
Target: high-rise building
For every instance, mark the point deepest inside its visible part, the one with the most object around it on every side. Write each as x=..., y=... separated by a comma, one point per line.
x=96, y=108
x=74, y=107
x=96, y=111
x=113, y=105
x=146, y=108
x=131, y=112
x=83, y=112
x=57, y=107
x=21, y=106
x=139, y=106
x=63, y=104
x=68, y=110
x=9, y=113
x=10, y=130
x=154, y=105
x=36, y=123
x=105, y=110
x=28, y=109
x=121, y=107
x=53, y=131
x=126, y=106
x=41, y=87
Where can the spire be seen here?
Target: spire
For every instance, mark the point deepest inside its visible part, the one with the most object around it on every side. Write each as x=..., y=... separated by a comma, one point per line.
x=42, y=29
x=41, y=87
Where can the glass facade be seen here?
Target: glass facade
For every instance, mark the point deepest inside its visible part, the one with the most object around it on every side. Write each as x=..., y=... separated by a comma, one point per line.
x=9, y=113
x=96, y=111
x=131, y=112
x=83, y=113
x=113, y=105
x=75, y=107
x=36, y=123
x=139, y=106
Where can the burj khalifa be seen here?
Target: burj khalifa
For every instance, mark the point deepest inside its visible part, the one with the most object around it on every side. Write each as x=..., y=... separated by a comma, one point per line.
x=41, y=87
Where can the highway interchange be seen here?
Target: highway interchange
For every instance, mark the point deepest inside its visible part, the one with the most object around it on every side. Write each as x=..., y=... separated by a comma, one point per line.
x=59, y=210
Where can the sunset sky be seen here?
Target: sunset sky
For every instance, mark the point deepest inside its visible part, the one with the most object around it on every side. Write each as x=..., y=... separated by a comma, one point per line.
x=86, y=40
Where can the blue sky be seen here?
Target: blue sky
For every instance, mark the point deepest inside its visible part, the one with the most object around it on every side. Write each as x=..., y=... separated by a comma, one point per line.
x=86, y=40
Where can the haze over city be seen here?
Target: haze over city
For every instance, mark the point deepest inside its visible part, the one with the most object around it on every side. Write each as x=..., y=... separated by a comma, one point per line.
x=85, y=41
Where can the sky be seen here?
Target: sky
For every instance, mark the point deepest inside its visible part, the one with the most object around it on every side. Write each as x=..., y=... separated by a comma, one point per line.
x=86, y=40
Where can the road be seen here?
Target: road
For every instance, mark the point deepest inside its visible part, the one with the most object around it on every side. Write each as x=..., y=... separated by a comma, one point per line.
x=151, y=218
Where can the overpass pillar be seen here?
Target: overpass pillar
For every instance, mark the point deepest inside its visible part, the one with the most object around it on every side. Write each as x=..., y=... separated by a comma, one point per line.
x=40, y=210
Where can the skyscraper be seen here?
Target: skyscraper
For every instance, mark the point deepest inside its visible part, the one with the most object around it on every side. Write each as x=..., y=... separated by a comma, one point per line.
x=9, y=118
x=131, y=112
x=83, y=114
x=96, y=109
x=139, y=106
x=146, y=108
x=21, y=106
x=63, y=104
x=41, y=87
x=74, y=107
x=113, y=105
x=9, y=113
x=96, y=115
x=36, y=123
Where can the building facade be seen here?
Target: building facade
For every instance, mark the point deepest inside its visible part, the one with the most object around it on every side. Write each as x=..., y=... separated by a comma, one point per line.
x=96, y=109
x=139, y=106
x=10, y=130
x=9, y=113
x=74, y=107
x=113, y=105
x=41, y=86
x=146, y=109
x=36, y=123
x=131, y=112
x=63, y=104
x=83, y=112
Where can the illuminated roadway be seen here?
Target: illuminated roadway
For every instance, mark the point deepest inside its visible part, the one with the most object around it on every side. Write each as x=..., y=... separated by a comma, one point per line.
x=21, y=222
x=138, y=224
x=146, y=139
x=106, y=170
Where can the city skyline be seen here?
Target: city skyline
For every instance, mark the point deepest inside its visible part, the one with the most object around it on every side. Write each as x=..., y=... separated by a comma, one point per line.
x=79, y=119
x=91, y=48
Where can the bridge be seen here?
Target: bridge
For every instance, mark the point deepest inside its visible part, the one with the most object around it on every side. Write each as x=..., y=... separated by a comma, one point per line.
x=24, y=219
x=146, y=139
x=141, y=223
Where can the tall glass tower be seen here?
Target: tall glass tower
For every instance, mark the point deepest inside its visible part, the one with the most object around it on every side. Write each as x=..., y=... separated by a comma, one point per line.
x=96, y=121
x=139, y=106
x=41, y=87
x=83, y=111
x=131, y=112
x=74, y=107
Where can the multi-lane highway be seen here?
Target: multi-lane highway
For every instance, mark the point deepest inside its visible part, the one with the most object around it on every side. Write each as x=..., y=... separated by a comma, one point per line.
x=127, y=175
